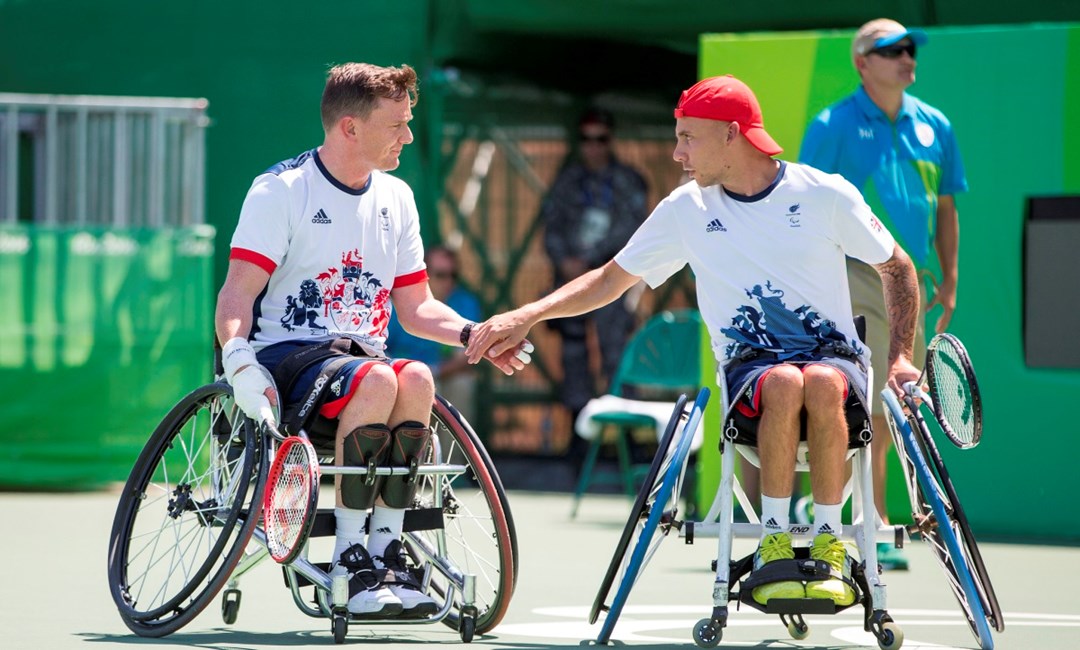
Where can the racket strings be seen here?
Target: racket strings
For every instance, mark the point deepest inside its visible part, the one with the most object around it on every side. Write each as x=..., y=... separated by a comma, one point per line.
x=951, y=392
x=290, y=493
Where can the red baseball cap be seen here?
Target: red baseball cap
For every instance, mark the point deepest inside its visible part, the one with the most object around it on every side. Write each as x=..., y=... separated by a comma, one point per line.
x=730, y=100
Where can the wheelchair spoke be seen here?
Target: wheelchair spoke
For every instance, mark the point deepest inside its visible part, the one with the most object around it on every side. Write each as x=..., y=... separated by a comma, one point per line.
x=178, y=529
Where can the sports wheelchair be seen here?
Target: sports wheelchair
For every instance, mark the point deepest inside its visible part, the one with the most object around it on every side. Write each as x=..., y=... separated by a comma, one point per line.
x=938, y=516
x=189, y=523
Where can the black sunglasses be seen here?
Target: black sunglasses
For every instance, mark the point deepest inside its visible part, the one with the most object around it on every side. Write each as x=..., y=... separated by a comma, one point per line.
x=602, y=139
x=894, y=51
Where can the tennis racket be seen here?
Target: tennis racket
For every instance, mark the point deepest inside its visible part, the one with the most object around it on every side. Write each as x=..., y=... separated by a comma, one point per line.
x=954, y=391
x=292, y=494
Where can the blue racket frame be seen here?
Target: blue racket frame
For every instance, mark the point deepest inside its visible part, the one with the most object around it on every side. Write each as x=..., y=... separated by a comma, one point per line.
x=932, y=491
x=672, y=476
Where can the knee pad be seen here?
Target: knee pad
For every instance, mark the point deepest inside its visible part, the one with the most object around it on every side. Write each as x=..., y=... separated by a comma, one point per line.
x=408, y=442
x=364, y=447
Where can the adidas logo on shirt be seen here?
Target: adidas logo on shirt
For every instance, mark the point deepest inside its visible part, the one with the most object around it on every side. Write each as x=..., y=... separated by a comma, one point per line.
x=320, y=217
x=715, y=226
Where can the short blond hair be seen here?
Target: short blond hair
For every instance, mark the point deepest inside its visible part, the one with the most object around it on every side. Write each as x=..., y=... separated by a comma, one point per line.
x=354, y=89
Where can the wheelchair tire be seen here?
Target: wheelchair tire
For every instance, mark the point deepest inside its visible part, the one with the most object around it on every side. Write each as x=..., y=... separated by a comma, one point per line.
x=478, y=535
x=664, y=492
x=959, y=524
x=642, y=504
x=185, y=514
x=941, y=523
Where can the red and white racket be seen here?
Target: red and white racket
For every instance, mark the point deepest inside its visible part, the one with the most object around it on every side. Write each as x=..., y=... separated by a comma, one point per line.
x=292, y=494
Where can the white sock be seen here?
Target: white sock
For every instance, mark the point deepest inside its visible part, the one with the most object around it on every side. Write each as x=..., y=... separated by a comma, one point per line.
x=775, y=515
x=348, y=529
x=385, y=527
x=827, y=519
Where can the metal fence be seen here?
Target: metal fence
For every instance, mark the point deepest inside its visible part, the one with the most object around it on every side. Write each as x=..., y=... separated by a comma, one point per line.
x=125, y=162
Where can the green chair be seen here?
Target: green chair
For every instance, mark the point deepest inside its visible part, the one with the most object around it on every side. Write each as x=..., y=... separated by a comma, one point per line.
x=661, y=361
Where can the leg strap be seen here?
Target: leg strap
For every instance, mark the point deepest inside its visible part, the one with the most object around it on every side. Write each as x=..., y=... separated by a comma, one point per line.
x=368, y=447
x=409, y=441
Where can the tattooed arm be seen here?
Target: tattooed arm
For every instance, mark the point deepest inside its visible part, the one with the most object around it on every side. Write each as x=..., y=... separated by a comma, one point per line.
x=900, y=284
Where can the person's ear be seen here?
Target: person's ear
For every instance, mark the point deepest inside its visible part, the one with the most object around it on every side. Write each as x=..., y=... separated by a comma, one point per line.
x=349, y=127
x=732, y=131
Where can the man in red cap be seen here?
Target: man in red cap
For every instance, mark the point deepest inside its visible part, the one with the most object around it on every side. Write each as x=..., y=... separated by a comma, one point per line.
x=767, y=242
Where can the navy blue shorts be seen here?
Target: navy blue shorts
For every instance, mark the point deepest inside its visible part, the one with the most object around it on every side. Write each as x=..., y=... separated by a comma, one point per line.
x=744, y=384
x=342, y=385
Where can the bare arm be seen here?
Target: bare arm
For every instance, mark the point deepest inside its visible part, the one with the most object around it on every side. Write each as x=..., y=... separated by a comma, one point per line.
x=900, y=284
x=585, y=293
x=243, y=283
x=947, y=244
x=423, y=315
x=252, y=388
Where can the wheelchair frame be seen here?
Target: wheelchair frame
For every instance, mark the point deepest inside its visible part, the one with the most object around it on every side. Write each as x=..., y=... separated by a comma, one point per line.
x=939, y=520
x=187, y=525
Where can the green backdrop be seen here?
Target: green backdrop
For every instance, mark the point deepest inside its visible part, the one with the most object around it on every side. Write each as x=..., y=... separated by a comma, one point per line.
x=102, y=330
x=1013, y=96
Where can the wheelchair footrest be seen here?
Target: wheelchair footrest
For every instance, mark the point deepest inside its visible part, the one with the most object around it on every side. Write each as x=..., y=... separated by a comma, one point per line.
x=325, y=524
x=800, y=606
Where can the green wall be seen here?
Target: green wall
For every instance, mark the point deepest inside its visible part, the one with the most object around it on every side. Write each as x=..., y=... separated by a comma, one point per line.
x=261, y=65
x=104, y=331
x=1013, y=96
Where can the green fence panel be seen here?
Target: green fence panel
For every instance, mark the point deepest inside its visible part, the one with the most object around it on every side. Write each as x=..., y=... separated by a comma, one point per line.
x=104, y=332
x=1018, y=130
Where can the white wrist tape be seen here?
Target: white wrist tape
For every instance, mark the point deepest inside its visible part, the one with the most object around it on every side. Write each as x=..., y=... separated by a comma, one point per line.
x=235, y=354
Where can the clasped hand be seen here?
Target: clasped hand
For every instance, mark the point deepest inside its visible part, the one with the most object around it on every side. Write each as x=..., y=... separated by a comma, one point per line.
x=501, y=340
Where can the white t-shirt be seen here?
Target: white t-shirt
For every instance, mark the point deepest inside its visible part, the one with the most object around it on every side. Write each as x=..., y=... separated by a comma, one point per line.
x=770, y=269
x=333, y=253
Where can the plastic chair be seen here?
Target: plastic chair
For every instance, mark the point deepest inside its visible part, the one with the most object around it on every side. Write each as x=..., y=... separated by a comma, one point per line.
x=660, y=361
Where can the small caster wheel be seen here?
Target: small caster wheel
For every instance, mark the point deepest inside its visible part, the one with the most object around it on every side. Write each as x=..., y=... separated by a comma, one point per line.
x=798, y=631
x=230, y=606
x=467, y=628
x=340, y=627
x=707, y=633
x=892, y=637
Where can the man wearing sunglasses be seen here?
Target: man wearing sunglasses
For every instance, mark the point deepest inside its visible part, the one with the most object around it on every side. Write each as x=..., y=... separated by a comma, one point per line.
x=595, y=203
x=902, y=153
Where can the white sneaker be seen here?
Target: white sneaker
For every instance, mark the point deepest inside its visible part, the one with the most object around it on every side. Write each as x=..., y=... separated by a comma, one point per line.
x=368, y=596
x=403, y=584
x=376, y=602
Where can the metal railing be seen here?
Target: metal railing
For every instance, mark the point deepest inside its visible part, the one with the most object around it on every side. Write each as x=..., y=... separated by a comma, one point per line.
x=126, y=162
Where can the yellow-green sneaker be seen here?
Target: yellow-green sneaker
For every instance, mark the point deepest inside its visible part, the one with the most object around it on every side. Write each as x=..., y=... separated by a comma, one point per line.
x=776, y=547
x=829, y=549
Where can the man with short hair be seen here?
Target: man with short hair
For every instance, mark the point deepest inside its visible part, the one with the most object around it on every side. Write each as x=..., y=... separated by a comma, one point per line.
x=903, y=155
x=766, y=240
x=326, y=246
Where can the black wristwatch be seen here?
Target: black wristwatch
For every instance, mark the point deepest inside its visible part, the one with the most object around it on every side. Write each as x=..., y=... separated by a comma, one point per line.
x=465, y=333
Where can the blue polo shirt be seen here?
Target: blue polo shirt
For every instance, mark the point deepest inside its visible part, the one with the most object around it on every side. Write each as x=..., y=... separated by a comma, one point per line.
x=900, y=168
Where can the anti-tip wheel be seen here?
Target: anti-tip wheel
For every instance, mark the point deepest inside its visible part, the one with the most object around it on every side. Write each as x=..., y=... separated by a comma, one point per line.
x=798, y=631
x=892, y=637
x=707, y=633
x=468, y=628
x=230, y=606
x=341, y=628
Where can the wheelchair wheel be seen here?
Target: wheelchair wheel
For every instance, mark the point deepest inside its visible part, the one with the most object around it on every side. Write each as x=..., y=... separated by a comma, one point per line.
x=185, y=515
x=642, y=505
x=940, y=520
x=659, y=505
x=477, y=537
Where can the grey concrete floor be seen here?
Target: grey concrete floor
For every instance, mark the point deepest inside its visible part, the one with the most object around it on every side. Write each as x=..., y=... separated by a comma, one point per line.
x=54, y=592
